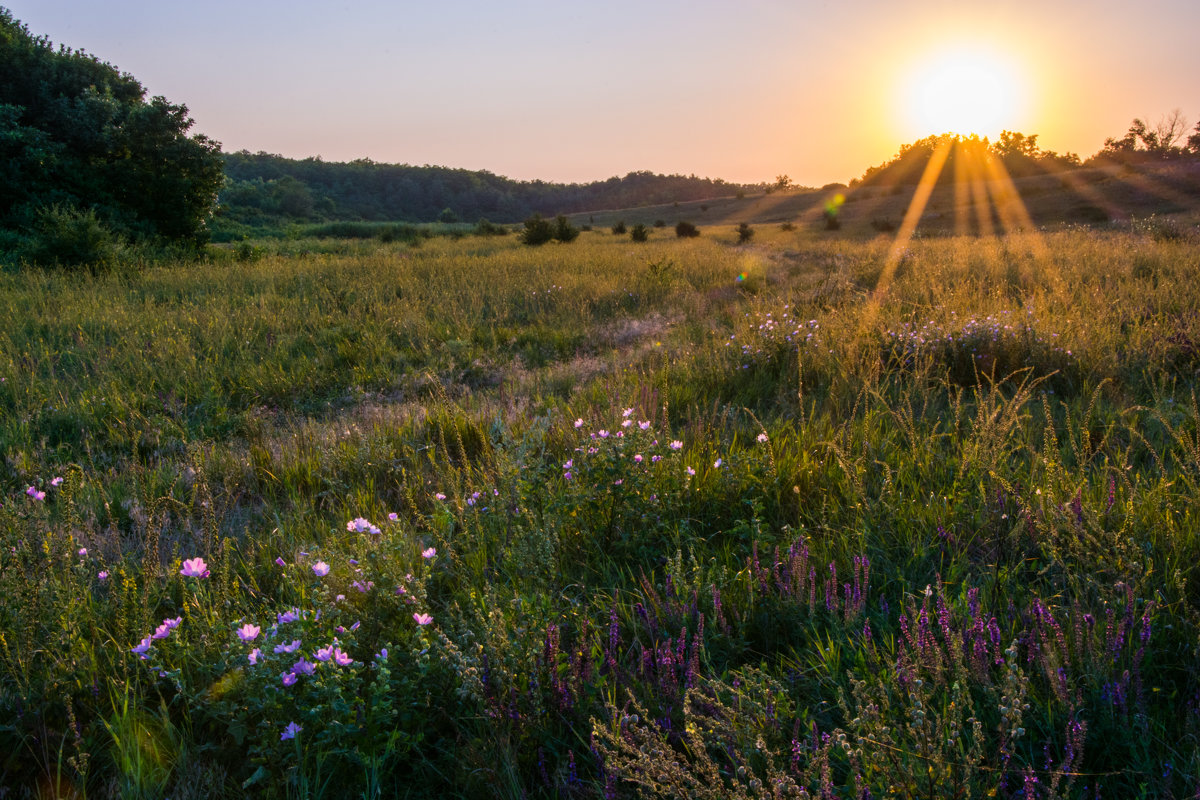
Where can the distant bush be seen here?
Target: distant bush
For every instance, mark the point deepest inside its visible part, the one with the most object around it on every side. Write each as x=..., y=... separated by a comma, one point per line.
x=883, y=224
x=660, y=223
x=564, y=231
x=639, y=233
x=537, y=230
x=447, y=215
x=787, y=226
x=66, y=236
x=832, y=223
x=619, y=228
x=745, y=233
x=486, y=228
x=585, y=228
x=741, y=194
x=686, y=230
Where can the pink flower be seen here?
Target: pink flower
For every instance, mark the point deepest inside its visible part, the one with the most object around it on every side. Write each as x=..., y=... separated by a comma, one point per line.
x=172, y=623
x=288, y=679
x=288, y=616
x=429, y=553
x=254, y=656
x=570, y=462
x=392, y=517
x=637, y=459
x=762, y=438
x=360, y=525
x=579, y=422
x=83, y=551
x=626, y=423
x=56, y=482
x=303, y=667
x=644, y=424
x=324, y=654
x=690, y=471
x=567, y=475
x=676, y=445
x=627, y=412
x=603, y=434
x=102, y=575
x=439, y=496
x=35, y=494
x=717, y=464
x=281, y=562
x=142, y=647
x=248, y=632
x=194, y=568
x=655, y=459
x=364, y=587
x=292, y=729
x=161, y=632
x=422, y=619
x=320, y=569
x=340, y=658
x=288, y=648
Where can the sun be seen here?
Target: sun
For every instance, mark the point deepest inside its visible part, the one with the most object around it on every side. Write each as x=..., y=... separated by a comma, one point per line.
x=964, y=90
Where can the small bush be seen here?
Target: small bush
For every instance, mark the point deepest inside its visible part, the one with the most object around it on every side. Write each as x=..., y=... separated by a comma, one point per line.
x=883, y=224
x=537, y=230
x=564, y=231
x=619, y=228
x=68, y=237
x=686, y=230
x=787, y=226
x=660, y=223
x=745, y=233
x=447, y=215
x=639, y=233
x=487, y=228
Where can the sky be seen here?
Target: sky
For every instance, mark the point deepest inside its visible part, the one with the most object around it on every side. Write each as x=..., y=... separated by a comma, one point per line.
x=743, y=90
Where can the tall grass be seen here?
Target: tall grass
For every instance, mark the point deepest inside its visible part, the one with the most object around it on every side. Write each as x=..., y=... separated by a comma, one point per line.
x=676, y=518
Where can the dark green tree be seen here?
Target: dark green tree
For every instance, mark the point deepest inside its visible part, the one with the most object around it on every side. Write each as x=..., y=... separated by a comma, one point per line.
x=77, y=133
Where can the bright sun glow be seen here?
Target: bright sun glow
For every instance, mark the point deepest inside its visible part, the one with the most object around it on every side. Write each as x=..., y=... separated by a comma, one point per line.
x=965, y=90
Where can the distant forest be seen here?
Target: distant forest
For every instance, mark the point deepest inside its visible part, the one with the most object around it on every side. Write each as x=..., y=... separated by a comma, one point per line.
x=264, y=189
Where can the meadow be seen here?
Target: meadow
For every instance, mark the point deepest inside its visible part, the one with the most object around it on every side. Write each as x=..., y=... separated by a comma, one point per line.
x=682, y=518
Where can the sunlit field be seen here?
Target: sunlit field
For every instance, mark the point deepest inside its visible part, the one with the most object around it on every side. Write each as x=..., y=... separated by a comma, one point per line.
x=817, y=515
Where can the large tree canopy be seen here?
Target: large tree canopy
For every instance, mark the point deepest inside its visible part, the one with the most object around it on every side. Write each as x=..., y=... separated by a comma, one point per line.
x=75, y=131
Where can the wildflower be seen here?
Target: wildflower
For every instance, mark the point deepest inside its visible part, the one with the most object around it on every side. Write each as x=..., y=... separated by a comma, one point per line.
x=161, y=632
x=288, y=616
x=676, y=445
x=422, y=619
x=356, y=625
x=320, y=569
x=280, y=562
x=762, y=438
x=248, y=632
x=579, y=422
x=56, y=482
x=35, y=494
x=340, y=658
x=288, y=648
x=172, y=624
x=393, y=516
x=254, y=656
x=339, y=598
x=142, y=647
x=655, y=459
x=626, y=423
x=102, y=575
x=324, y=654
x=303, y=667
x=382, y=654
x=637, y=459
x=194, y=568
x=717, y=464
x=363, y=587
x=618, y=481
x=644, y=424
x=690, y=471
x=429, y=552
x=439, y=496
x=470, y=501
x=288, y=678
x=360, y=525
x=567, y=476
x=627, y=412
x=603, y=434
x=570, y=462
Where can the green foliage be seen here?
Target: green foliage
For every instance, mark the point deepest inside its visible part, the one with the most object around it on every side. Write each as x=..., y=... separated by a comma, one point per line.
x=486, y=228
x=538, y=231
x=64, y=236
x=639, y=233
x=744, y=233
x=76, y=132
x=686, y=230
x=447, y=215
x=564, y=231
x=619, y=228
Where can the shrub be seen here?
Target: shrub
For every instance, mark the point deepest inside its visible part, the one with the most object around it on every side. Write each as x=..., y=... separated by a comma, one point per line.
x=564, y=231
x=660, y=223
x=66, y=236
x=639, y=233
x=447, y=215
x=832, y=223
x=745, y=233
x=537, y=230
x=486, y=228
x=787, y=226
x=619, y=228
x=883, y=224
x=686, y=230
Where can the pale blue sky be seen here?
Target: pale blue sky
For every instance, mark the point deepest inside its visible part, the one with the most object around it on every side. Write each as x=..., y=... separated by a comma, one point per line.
x=572, y=91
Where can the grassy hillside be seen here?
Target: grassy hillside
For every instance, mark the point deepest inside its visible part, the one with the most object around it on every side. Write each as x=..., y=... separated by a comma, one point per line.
x=678, y=518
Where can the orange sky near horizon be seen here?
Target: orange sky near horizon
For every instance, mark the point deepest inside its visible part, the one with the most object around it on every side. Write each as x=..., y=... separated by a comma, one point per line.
x=570, y=91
